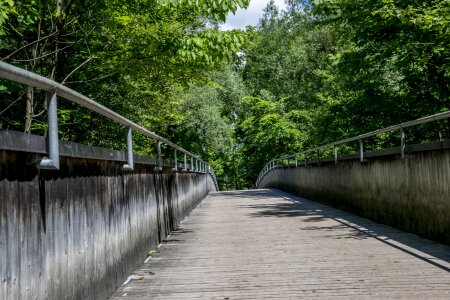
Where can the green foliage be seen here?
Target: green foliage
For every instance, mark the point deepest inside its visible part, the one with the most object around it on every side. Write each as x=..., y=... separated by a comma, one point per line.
x=393, y=54
x=318, y=72
x=348, y=67
x=266, y=130
x=6, y=8
x=216, y=10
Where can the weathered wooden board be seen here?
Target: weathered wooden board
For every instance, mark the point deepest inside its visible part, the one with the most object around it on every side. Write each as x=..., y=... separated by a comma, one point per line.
x=411, y=194
x=266, y=244
x=77, y=233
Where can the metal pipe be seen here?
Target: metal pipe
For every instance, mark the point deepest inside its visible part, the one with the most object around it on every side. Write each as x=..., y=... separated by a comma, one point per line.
x=11, y=72
x=361, y=150
x=335, y=154
x=175, y=161
x=403, y=142
x=192, y=164
x=159, y=168
x=185, y=162
x=52, y=162
x=55, y=89
x=129, y=166
x=401, y=126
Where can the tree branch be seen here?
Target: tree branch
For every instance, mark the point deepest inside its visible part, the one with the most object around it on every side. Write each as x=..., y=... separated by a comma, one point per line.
x=29, y=44
x=77, y=68
x=45, y=55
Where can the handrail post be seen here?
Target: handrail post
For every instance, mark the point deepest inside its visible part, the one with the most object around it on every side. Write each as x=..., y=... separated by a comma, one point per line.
x=52, y=162
x=185, y=163
x=192, y=164
x=175, y=161
x=159, y=167
x=335, y=150
x=403, y=142
x=296, y=162
x=129, y=166
x=361, y=150
x=196, y=165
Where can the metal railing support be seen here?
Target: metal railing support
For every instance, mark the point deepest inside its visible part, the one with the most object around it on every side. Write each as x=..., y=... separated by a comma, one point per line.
x=52, y=161
x=361, y=150
x=192, y=164
x=129, y=166
x=185, y=163
x=159, y=168
x=403, y=148
x=175, y=161
x=335, y=150
x=403, y=142
x=55, y=89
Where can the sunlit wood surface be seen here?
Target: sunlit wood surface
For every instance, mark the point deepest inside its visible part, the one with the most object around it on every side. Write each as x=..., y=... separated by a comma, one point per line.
x=265, y=244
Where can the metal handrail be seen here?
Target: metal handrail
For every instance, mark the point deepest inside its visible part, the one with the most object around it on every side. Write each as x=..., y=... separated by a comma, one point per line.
x=436, y=117
x=55, y=89
x=28, y=78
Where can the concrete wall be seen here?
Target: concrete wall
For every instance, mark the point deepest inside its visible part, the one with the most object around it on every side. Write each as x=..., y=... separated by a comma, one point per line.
x=411, y=194
x=78, y=232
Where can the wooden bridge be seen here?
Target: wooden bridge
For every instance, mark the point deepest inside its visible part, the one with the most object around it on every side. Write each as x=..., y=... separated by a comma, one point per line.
x=265, y=244
x=76, y=220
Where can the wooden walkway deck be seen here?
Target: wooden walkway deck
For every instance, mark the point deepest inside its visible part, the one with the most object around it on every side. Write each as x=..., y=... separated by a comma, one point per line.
x=265, y=244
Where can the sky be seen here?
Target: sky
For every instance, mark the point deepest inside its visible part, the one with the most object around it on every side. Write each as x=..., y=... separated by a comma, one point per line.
x=250, y=16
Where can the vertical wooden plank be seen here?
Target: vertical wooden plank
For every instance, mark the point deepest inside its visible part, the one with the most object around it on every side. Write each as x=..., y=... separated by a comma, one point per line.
x=30, y=235
x=4, y=241
x=52, y=238
x=72, y=235
x=13, y=253
x=83, y=237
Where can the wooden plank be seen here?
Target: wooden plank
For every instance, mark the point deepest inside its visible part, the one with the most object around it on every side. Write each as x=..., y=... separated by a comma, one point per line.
x=77, y=233
x=266, y=244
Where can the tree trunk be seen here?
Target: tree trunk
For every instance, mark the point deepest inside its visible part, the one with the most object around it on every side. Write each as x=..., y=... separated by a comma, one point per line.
x=59, y=11
x=29, y=110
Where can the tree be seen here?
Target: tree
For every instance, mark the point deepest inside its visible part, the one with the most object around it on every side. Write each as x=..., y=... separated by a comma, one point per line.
x=266, y=130
x=129, y=55
x=393, y=59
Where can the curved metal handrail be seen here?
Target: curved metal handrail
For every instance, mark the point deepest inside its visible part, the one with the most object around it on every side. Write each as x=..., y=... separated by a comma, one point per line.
x=55, y=89
x=436, y=117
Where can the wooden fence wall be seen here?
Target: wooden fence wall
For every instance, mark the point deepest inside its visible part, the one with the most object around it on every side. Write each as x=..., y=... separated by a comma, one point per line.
x=79, y=232
x=411, y=194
